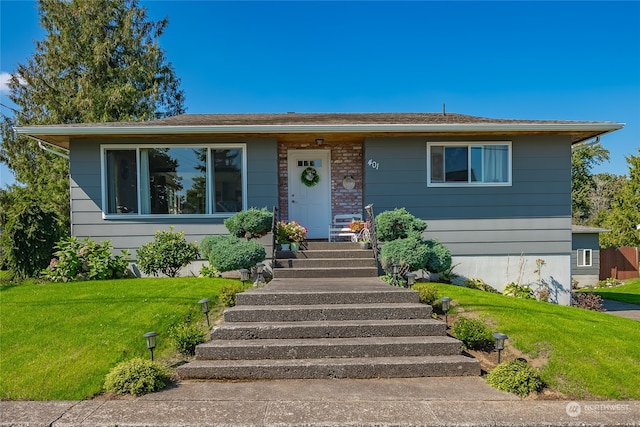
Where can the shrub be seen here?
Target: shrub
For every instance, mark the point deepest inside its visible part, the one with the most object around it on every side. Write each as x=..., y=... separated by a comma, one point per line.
x=518, y=291
x=428, y=293
x=29, y=238
x=86, y=260
x=136, y=376
x=250, y=224
x=227, y=253
x=479, y=284
x=227, y=294
x=167, y=253
x=397, y=224
x=185, y=337
x=516, y=376
x=439, y=257
x=588, y=301
x=473, y=333
x=410, y=253
x=210, y=272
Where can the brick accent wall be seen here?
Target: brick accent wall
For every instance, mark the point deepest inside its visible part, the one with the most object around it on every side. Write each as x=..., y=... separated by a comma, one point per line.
x=346, y=159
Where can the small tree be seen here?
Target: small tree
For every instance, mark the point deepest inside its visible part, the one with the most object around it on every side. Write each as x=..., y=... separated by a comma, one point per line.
x=167, y=253
x=250, y=224
x=227, y=253
x=398, y=224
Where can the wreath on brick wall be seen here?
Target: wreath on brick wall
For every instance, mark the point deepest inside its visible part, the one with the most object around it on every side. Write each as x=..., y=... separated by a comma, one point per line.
x=310, y=177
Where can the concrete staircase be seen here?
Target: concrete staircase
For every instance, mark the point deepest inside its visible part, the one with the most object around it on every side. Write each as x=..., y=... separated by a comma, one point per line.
x=328, y=328
x=326, y=259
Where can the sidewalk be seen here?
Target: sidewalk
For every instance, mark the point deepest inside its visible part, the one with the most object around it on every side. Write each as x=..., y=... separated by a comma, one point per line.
x=448, y=401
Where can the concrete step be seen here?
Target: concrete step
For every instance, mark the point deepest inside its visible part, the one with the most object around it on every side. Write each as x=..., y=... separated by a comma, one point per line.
x=356, y=367
x=302, y=296
x=306, y=263
x=328, y=329
x=329, y=347
x=326, y=254
x=320, y=245
x=292, y=313
x=334, y=272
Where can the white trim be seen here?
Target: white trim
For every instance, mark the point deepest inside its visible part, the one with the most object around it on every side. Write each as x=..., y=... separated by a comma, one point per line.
x=468, y=144
x=580, y=260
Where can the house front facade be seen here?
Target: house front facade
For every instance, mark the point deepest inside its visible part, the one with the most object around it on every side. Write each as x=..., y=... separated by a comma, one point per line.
x=496, y=192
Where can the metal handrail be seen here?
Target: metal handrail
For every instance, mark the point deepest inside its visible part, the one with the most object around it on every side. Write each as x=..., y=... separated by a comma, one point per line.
x=274, y=230
x=372, y=231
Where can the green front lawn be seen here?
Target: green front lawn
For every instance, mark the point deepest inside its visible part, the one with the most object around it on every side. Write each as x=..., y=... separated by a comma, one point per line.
x=59, y=340
x=590, y=354
x=629, y=292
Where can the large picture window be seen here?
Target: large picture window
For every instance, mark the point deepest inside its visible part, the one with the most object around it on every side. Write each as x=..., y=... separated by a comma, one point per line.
x=173, y=180
x=462, y=163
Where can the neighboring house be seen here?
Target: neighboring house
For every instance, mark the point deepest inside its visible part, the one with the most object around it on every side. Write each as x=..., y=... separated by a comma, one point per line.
x=496, y=192
x=585, y=255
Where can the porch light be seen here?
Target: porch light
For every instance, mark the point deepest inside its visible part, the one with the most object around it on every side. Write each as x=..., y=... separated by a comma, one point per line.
x=446, y=304
x=204, y=305
x=500, y=339
x=411, y=279
x=244, y=275
x=319, y=141
x=259, y=273
x=151, y=341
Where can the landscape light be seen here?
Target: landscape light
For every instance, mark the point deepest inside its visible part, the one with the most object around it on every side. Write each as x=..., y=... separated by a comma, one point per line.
x=244, y=275
x=411, y=279
x=500, y=339
x=259, y=273
x=446, y=304
x=151, y=341
x=204, y=305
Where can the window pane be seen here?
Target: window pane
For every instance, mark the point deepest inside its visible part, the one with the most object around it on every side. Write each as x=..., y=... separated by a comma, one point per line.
x=227, y=180
x=174, y=180
x=122, y=184
x=456, y=164
x=495, y=163
x=476, y=164
x=437, y=161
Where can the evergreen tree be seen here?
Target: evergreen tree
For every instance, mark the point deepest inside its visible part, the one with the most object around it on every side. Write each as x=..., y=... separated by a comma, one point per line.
x=583, y=159
x=624, y=217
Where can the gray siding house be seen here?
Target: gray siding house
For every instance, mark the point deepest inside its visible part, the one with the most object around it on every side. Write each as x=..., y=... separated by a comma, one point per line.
x=497, y=192
x=585, y=255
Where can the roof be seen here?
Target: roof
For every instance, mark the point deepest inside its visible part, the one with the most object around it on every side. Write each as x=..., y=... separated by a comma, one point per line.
x=583, y=229
x=326, y=123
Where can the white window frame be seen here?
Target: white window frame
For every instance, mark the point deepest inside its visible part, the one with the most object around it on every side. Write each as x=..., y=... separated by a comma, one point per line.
x=468, y=145
x=137, y=147
x=581, y=257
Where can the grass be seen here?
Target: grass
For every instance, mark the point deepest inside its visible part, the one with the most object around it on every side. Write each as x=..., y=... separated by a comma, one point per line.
x=59, y=340
x=629, y=292
x=590, y=354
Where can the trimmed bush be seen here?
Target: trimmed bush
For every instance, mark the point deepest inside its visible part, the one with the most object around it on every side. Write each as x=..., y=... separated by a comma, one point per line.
x=473, y=333
x=167, y=253
x=227, y=253
x=428, y=293
x=410, y=253
x=398, y=224
x=439, y=257
x=136, y=376
x=250, y=224
x=517, y=377
x=86, y=260
x=227, y=294
x=185, y=337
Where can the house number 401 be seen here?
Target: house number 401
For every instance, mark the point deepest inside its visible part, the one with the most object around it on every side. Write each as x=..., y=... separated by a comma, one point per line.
x=374, y=165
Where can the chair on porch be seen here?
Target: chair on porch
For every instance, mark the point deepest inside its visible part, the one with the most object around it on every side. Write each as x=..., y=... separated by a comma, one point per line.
x=339, y=228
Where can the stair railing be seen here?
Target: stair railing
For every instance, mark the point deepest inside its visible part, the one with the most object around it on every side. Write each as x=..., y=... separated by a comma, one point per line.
x=372, y=231
x=274, y=243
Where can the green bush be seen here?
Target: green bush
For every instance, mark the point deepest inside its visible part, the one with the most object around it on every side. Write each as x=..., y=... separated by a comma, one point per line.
x=250, y=224
x=473, y=333
x=227, y=294
x=410, y=253
x=428, y=293
x=136, y=376
x=227, y=253
x=518, y=291
x=479, y=284
x=516, y=376
x=86, y=260
x=439, y=257
x=210, y=272
x=185, y=337
x=397, y=224
x=29, y=237
x=167, y=253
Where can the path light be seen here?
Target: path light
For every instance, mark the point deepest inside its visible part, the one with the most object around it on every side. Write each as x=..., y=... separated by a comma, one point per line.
x=244, y=275
x=151, y=341
x=259, y=273
x=204, y=305
x=394, y=271
x=446, y=304
x=411, y=279
x=500, y=339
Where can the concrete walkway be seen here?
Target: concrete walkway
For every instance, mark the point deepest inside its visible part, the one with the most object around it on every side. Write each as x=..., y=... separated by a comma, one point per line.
x=622, y=309
x=459, y=401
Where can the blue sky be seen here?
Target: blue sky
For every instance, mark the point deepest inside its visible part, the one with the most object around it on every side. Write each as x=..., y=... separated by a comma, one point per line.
x=528, y=60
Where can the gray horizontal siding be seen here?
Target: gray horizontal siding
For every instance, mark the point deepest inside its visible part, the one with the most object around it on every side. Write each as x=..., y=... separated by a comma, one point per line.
x=586, y=241
x=133, y=231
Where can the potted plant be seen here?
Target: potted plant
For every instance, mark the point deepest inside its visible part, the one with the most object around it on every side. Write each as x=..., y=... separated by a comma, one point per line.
x=361, y=230
x=290, y=233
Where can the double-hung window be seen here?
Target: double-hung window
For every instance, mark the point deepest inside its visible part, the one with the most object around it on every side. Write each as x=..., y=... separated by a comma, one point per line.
x=468, y=163
x=173, y=179
x=584, y=257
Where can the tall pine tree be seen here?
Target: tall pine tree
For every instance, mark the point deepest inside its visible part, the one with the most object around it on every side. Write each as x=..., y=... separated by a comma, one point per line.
x=100, y=61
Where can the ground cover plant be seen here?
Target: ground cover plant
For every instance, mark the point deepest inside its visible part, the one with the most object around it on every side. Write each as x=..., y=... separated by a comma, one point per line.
x=588, y=354
x=59, y=340
x=629, y=292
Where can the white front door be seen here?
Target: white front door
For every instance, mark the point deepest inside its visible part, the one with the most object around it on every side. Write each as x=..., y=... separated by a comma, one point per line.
x=310, y=205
